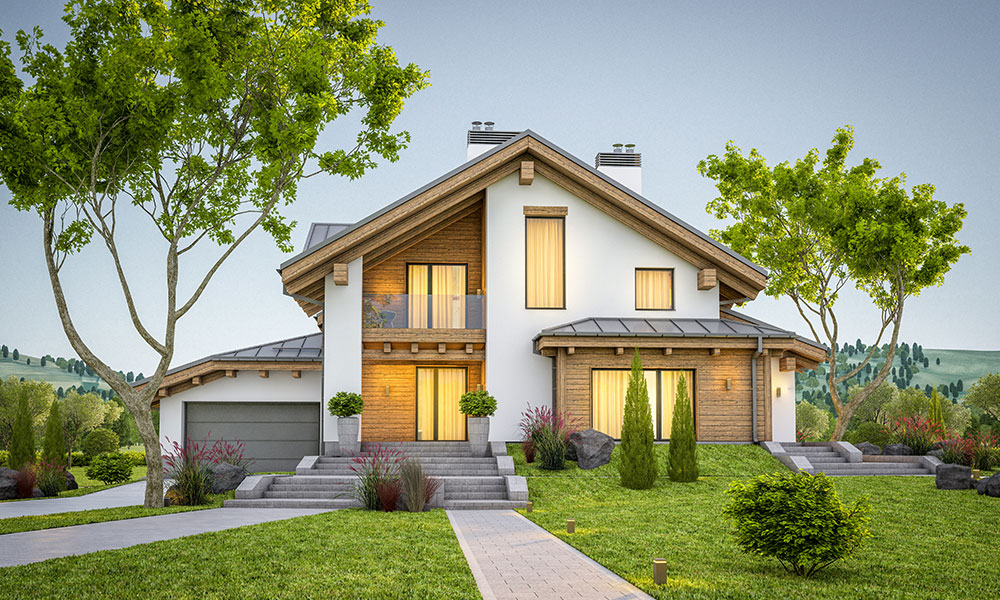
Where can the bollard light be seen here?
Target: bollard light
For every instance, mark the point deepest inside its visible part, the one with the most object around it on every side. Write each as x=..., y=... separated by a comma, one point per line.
x=975, y=474
x=528, y=506
x=659, y=571
x=571, y=526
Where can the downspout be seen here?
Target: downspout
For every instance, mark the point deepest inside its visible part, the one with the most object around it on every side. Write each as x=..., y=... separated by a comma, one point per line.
x=753, y=385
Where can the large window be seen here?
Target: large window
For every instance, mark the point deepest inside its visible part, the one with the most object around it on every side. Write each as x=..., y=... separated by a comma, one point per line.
x=438, y=392
x=436, y=296
x=608, y=388
x=545, y=262
x=654, y=289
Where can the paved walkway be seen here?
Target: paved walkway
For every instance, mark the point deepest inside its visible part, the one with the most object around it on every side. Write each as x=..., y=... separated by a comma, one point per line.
x=129, y=494
x=34, y=546
x=512, y=558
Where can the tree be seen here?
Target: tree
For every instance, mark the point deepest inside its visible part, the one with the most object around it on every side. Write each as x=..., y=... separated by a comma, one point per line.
x=17, y=355
x=4, y=351
x=637, y=467
x=22, y=448
x=130, y=377
x=934, y=414
x=201, y=116
x=54, y=446
x=984, y=394
x=683, y=449
x=937, y=361
x=821, y=227
x=82, y=414
x=27, y=361
x=811, y=420
x=39, y=397
x=43, y=361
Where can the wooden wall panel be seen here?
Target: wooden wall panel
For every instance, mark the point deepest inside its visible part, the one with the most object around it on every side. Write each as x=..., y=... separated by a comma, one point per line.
x=393, y=417
x=721, y=415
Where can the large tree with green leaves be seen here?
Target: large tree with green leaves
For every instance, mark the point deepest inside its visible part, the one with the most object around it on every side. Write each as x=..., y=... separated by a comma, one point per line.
x=984, y=394
x=822, y=226
x=82, y=413
x=39, y=396
x=199, y=115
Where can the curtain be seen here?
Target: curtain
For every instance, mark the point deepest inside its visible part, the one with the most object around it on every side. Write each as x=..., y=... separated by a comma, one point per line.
x=669, y=381
x=654, y=289
x=608, y=390
x=451, y=386
x=448, y=296
x=425, y=404
x=545, y=263
x=418, y=296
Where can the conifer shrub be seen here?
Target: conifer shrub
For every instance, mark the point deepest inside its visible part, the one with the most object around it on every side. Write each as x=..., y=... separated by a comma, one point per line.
x=935, y=413
x=22, y=445
x=54, y=445
x=683, y=449
x=637, y=467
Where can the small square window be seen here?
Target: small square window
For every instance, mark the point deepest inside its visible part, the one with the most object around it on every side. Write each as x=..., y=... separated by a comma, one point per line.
x=654, y=289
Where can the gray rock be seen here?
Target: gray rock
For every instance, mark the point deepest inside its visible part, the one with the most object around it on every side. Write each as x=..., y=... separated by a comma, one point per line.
x=953, y=477
x=592, y=448
x=868, y=448
x=938, y=454
x=226, y=477
x=8, y=484
x=571, y=451
x=71, y=483
x=897, y=450
x=37, y=493
x=989, y=486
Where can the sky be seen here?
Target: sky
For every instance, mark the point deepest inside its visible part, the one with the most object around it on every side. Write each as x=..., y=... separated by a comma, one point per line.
x=917, y=80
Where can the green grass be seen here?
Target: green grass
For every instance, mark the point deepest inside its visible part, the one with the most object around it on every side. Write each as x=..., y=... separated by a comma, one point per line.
x=100, y=515
x=88, y=485
x=49, y=373
x=927, y=543
x=342, y=554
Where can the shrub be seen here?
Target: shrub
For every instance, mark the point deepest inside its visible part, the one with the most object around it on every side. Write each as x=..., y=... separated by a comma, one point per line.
x=477, y=404
x=637, y=467
x=4, y=458
x=811, y=419
x=528, y=447
x=26, y=479
x=110, y=467
x=984, y=451
x=51, y=477
x=683, y=449
x=389, y=491
x=374, y=467
x=958, y=451
x=231, y=453
x=797, y=519
x=418, y=486
x=100, y=441
x=917, y=433
x=80, y=459
x=137, y=457
x=54, y=446
x=190, y=468
x=22, y=446
x=934, y=413
x=548, y=434
x=346, y=404
x=871, y=432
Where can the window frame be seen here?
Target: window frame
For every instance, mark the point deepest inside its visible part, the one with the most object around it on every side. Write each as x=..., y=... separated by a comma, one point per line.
x=657, y=416
x=563, y=249
x=635, y=288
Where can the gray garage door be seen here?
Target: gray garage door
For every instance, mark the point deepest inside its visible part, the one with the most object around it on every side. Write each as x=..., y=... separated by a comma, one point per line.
x=275, y=434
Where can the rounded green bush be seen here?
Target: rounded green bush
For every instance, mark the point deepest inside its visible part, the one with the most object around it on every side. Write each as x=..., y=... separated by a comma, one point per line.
x=346, y=404
x=871, y=432
x=100, y=441
x=110, y=468
x=4, y=457
x=477, y=404
x=138, y=458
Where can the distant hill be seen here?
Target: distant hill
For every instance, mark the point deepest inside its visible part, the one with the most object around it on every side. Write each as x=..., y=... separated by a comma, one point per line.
x=53, y=372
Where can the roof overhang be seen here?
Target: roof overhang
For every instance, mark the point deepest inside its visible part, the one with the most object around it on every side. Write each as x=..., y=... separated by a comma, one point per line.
x=207, y=372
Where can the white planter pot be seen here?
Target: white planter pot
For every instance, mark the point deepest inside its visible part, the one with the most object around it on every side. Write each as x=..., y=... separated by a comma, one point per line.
x=479, y=435
x=347, y=435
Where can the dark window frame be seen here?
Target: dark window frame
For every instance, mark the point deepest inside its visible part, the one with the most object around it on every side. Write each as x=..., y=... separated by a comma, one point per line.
x=430, y=284
x=526, y=306
x=416, y=399
x=673, y=288
x=658, y=425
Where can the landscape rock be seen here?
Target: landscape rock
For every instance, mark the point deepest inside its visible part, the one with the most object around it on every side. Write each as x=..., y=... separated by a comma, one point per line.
x=37, y=493
x=570, y=451
x=990, y=486
x=226, y=477
x=953, y=477
x=592, y=448
x=897, y=450
x=938, y=454
x=868, y=448
x=8, y=484
x=71, y=483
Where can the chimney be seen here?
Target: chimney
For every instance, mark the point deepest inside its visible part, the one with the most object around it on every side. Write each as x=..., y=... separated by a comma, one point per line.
x=624, y=167
x=482, y=138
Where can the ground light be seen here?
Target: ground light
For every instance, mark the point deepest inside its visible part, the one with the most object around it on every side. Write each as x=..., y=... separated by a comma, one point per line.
x=570, y=525
x=528, y=506
x=659, y=571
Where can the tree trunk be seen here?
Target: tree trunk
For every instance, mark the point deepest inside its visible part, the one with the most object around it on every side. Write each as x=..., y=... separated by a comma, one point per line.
x=154, y=460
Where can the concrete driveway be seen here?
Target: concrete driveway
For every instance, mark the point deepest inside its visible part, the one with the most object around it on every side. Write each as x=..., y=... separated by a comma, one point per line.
x=129, y=494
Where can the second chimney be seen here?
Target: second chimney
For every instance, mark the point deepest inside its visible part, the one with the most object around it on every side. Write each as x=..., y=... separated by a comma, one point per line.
x=624, y=167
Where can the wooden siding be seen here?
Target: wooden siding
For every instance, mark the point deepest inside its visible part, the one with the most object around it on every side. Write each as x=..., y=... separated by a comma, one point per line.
x=393, y=417
x=461, y=242
x=721, y=415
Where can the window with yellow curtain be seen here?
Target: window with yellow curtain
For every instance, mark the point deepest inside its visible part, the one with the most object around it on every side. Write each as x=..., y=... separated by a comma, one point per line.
x=545, y=262
x=438, y=392
x=654, y=289
x=608, y=389
x=436, y=296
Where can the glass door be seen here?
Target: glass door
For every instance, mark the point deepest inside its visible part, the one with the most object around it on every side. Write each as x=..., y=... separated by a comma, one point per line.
x=608, y=388
x=438, y=392
x=437, y=296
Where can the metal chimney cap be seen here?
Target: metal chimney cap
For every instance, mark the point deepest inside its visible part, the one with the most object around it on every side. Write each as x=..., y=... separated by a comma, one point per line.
x=476, y=124
x=489, y=125
x=629, y=148
x=617, y=147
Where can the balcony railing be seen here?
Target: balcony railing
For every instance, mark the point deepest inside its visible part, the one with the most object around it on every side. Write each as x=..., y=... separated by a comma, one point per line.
x=420, y=311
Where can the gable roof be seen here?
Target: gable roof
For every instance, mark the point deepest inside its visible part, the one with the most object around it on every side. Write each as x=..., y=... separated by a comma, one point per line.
x=432, y=204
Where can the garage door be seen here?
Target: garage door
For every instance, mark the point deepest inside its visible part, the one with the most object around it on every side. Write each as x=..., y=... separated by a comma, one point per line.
x=275, y=434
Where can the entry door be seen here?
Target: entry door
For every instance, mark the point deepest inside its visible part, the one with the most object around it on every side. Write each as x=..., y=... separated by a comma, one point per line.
x=437, y=296
x=438, y=392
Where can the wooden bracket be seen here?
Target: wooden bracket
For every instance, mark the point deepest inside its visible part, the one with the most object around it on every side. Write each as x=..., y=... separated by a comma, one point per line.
x=571, y=350
x=668, y=351
x=715, y=351
x=264, y=374
x=442, y=348
x=619, y=350
x=296, y=374
x=163, y=393
x=707, y=279
x=196, y=381
x=527, y=172
x=230, y=373
x=387, y=347
x=787, y=363
x=340, y=274
x=414, y=348
x=468, y=348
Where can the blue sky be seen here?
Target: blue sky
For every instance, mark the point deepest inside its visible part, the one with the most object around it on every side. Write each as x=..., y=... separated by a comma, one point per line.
x=918, y=81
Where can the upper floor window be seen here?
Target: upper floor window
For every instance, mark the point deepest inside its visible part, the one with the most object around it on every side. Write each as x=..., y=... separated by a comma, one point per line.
x=654, y=289
x=545, y=262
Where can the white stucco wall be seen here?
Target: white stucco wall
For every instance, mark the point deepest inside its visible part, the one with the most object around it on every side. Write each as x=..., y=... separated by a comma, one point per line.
x=783, y=408
x=280, y=386
x=341, y=341
x=601, y=257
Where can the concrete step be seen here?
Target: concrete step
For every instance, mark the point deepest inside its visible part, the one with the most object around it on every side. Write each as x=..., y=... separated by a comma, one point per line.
x=425, y=460
x=487, y=495
x=332, y=489
x=826, y=459
x=308, y=494
x=809, y=450
x=867, y=469
x=474, y=486
x=482, y=504
x=885, y=473
x=441, y=472
x=292, y=503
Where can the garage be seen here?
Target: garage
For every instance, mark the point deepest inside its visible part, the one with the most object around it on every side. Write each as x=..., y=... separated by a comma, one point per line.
x=275, y=434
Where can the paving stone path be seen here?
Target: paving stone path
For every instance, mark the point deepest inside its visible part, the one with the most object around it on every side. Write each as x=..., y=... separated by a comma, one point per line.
x=129, y=494
x=512, y=558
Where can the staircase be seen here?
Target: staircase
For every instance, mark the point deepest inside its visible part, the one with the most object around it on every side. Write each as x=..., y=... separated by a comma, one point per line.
x=839, y=459
x=467, y=482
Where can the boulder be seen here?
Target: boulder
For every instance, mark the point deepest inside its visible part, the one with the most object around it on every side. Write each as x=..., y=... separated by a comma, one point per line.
x=71, y=483
x=37, y=493
x=868, y=448
x=989, y=486
x=570, y=451
x=226, y=477
x=953, y=477
x=592, y=448
x=8, y=484
x=897, y=450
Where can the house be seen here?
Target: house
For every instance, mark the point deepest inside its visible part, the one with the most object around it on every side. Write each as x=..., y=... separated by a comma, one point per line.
x=524, y=271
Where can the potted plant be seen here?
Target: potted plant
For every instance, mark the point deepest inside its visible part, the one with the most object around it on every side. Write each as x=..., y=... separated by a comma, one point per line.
x=478, y=407
x=345, y=406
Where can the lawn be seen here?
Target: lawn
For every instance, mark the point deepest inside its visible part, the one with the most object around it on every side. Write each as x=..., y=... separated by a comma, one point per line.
x=88, y=485
x=926, y=543
x=99, y=515
x=340, y=554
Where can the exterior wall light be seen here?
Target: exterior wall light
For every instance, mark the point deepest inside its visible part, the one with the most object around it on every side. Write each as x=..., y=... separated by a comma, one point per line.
x=729, y=383
x=386, y=390
x=777, y=392
x=659, y=571
x=571, y=526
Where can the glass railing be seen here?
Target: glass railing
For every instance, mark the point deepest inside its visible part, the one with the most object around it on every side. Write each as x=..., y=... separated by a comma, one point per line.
x=419, y=311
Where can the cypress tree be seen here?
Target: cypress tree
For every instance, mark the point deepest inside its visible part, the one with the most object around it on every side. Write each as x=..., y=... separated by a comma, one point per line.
x=17, y=354
x=54, y=445
x=935, y=414
x=22, y=446
x=683, y=451
x=638, y=465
